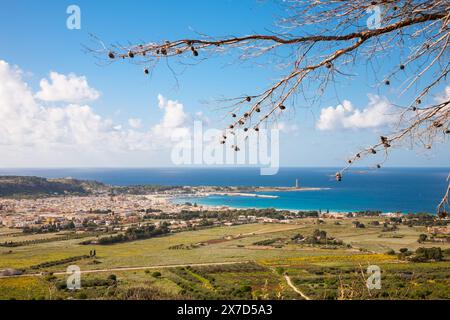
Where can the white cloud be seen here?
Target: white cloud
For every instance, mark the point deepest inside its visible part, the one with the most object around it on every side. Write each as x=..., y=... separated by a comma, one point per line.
x=174, y=122
x=286, y=127
x=28, y=127
x=135, y=123
x=444, y=96
x=379, y=112
x=68, y=88
x=174, y=112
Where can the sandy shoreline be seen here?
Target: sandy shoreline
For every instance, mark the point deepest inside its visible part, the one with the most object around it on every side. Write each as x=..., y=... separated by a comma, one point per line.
x=289, y=189
x=239, y=194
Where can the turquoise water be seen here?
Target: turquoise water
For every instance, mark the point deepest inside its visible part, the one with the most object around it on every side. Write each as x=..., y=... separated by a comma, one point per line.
x=389, y=189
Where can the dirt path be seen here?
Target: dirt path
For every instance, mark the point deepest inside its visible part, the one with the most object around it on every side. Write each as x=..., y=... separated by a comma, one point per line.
x=133, y=268
x=290, y=284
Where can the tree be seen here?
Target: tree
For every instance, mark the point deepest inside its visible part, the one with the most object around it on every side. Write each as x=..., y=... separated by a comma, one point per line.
x=422, y=238
x=320, y=42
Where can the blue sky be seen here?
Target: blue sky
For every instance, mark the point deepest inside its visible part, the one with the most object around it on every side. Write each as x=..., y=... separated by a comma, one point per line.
x=34, y=39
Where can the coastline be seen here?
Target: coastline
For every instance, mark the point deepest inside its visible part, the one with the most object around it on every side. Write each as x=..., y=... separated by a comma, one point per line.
x=227, y=207
x=178, y=200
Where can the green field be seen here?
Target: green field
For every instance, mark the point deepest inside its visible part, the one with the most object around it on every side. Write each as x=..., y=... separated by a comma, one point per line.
x=321, y=272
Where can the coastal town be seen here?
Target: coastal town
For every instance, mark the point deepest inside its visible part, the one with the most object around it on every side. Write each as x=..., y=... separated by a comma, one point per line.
x=82, y=205
x=116, y=212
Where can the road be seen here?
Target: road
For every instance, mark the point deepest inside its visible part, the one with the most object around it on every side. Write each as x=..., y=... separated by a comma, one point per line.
x=289, y=282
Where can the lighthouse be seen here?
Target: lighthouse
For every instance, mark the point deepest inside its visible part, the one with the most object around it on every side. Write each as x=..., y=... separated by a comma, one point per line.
x=296, y=184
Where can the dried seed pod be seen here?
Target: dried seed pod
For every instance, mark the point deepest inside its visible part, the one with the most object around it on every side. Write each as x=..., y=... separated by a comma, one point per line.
x=282, y=107
x=419, y=101
x=248, y=99
x=157, y=51
x=131, y=54
x=233, y=115
x=428, y=146
x=241, y=122
x=378, y=166
x=111, y=55
x=328, y=65
x=195, y=52
x=402, y=67
x=349, y=161
x=258, y=110
x=437, y=124
x=414, y=108
x=373, y=151
x=383, y=139
x=236, y=148
x=386, y=145
x=146, y=71
x=387, y=82
x=447, y=131
x=442, y=214
x=164, y=51
x=222, y=142
x=224, y=136
x=178, y=51
x=358, y=155
x=256, y=129
x=246, y=115
x=338, y=176
x=245, y=129
x=231, y=126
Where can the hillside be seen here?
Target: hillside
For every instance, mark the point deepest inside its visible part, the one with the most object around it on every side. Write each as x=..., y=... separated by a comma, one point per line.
x=18, y=186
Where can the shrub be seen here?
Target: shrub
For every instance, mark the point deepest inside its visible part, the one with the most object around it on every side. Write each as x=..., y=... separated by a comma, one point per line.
x=246, y=288
x=156, y=274
x=427, y=254
x=82, y=296
x=279, y=270
x=422, y=238
x=112, y=277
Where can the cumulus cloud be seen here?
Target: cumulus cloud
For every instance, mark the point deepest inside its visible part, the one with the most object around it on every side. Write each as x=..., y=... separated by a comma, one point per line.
x=68, y=88
x=25, y=122
x=379, y=112
x=174, y=121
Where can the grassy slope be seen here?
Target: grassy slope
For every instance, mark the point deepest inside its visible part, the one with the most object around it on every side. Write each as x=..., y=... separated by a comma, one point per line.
x=302, y=262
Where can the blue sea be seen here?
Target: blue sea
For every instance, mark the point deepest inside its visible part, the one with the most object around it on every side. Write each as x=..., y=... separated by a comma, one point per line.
x=389, y=189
